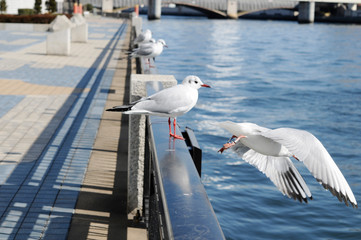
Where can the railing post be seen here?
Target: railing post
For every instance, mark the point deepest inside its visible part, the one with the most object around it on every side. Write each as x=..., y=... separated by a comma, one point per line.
x=194, y=149
x=136, y=147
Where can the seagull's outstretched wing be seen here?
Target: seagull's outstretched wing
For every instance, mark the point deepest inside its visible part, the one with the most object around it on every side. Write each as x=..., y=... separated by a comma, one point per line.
x=280, y=170
x=308, y=149
x=235, y=129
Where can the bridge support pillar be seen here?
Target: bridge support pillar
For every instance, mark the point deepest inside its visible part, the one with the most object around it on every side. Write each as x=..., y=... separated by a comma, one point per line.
x=306, y=12
x=352, y=6
x=154, y=9
x=232, y=11
x=107, y=5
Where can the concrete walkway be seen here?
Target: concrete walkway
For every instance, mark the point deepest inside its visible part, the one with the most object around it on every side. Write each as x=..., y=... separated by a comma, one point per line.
x=55, y=141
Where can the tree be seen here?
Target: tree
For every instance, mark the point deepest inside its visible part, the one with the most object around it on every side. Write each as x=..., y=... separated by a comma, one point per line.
x=37, y=6
x=89, y=7
x=3, y=6
x=51, y=6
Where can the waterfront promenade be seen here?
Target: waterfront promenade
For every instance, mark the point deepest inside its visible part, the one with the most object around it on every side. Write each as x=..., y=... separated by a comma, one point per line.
x=63, y=160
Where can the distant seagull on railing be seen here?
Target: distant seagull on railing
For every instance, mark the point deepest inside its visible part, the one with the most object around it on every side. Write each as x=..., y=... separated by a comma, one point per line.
x=270, y=151
x=149, y=50
x=143, y=37
x=170, y=102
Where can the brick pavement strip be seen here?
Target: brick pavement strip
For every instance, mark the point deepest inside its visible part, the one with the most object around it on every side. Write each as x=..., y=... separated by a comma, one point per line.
x=18, y=87
x=101, y=211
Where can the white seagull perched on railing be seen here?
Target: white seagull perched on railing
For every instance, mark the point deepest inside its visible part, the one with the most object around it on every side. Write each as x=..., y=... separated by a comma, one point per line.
x=270, y=151
x=149, y=50
x=143, y=37
x=170, y=102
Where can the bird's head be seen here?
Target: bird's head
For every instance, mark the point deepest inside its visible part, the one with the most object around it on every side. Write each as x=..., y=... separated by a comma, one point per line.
x=161, y=41
x=194, y=82
x=147, y=31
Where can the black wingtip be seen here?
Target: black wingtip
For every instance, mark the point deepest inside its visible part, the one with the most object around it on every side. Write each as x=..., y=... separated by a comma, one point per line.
x=123, y=108
x=115, y=110
x=340, y=196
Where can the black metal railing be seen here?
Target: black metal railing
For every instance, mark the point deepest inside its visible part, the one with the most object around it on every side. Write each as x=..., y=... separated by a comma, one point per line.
x=176, y=204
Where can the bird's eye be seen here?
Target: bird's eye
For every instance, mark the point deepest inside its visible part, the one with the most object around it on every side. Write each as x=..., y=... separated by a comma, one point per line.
x=196, y=82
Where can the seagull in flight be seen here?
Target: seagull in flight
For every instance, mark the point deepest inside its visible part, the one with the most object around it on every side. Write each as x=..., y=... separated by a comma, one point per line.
x=270, y=150
x=170, y=102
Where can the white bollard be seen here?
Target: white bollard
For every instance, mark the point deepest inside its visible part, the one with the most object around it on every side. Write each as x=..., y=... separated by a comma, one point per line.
x=58, y=43
x=79, y=33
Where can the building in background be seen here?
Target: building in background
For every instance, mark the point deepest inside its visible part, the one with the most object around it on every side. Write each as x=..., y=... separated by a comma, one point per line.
x=14, y=5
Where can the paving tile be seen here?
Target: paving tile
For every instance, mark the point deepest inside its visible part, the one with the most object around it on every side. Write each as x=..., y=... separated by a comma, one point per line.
x=28, y=234
x=48, y=129
x=6, y=230
x=7, y=236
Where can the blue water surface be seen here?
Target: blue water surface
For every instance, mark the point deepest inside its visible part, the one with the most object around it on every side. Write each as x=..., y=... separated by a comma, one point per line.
x=275, y=74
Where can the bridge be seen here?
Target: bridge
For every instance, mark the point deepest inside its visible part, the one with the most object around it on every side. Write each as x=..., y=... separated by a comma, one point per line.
x=306, y=9
x=220, y=5
x=210, y=13
x=227, y=8
x=230, y=8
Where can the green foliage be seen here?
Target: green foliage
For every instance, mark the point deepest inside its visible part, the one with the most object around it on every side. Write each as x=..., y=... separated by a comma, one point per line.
x=89, y=7
x=3, y=6
x=51, y=6
x=41, y=18
x=37, y=6
x=26, y=11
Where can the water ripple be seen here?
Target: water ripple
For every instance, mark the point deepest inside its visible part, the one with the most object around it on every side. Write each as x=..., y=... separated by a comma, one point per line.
x=276, y=74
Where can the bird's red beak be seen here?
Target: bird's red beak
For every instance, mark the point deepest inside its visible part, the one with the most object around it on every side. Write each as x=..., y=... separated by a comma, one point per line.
x=205, y=85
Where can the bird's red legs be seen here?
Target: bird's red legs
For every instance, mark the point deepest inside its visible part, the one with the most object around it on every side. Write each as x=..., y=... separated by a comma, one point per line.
x=230, y=143
x=170, y=130
x=148, y=62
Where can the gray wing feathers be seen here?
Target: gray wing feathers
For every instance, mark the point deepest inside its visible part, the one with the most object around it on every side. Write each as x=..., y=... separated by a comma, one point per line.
x=308, y=149
x=280, y=170
x=140, y=38
x=142, y=51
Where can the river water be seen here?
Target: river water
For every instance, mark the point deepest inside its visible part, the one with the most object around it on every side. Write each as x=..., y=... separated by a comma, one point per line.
x=275, y=74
